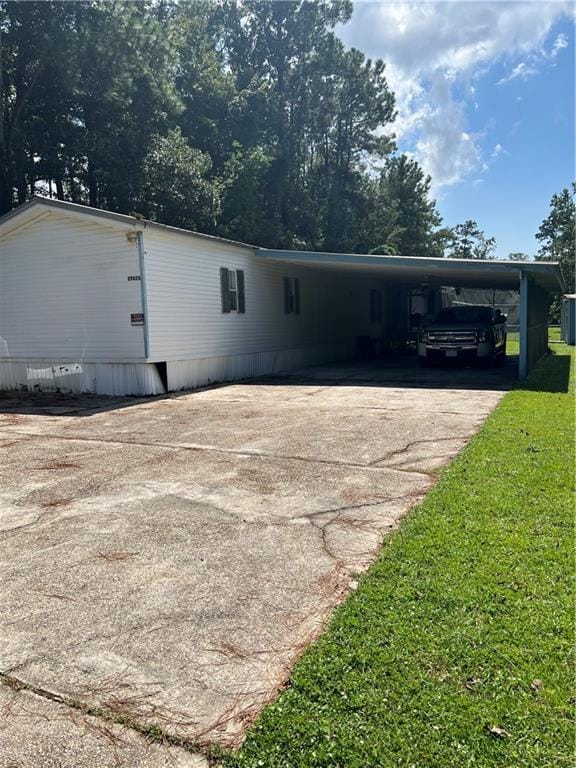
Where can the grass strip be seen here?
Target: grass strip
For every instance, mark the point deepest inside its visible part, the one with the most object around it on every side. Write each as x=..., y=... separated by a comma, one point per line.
x=456, y=648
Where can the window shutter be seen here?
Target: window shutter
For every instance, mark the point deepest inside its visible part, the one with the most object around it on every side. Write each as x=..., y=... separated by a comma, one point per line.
x=224, y=287
x=240, y=286
x=297, y=296
x=286, y=295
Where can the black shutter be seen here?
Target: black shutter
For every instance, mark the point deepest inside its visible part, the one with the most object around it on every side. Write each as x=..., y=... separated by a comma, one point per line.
x=297, y=296
x=225, y=289
x=286, y=295
x=240, y=286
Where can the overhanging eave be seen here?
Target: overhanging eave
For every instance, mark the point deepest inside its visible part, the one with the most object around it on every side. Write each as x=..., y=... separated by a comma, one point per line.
x=469, y=273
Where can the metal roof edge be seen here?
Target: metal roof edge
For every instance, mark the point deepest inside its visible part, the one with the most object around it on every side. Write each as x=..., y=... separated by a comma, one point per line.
x=517, y=265
x=66, y=205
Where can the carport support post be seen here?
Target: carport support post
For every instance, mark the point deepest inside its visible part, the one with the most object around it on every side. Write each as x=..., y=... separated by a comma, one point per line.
x=523, y=361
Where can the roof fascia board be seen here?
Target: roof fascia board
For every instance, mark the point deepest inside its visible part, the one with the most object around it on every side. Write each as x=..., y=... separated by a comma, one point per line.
x=416, y=261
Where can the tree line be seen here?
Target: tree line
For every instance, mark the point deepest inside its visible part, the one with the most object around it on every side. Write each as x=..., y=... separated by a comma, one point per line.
x=246, y=120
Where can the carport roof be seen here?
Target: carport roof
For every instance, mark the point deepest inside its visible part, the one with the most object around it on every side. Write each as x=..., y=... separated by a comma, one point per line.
x=469, y=273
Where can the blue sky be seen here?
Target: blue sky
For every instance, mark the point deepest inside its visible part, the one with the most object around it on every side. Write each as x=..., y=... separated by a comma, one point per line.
x=485, y=95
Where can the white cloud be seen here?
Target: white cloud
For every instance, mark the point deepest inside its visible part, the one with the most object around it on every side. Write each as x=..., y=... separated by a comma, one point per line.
x=438, y=132
x=536, y=61
x=498, y=149
x=434, y=52
x=522, y=70
x=560, y=43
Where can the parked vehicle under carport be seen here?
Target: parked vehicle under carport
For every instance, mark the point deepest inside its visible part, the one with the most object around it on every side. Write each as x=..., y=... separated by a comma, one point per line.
x=471, y=334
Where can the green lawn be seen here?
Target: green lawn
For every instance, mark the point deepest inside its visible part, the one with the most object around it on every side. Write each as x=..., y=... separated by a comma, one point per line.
x=554, y=334
x=455, y=649
x=513, y=341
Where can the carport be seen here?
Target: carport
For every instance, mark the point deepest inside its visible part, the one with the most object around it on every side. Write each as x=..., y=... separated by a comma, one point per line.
x=536, y=282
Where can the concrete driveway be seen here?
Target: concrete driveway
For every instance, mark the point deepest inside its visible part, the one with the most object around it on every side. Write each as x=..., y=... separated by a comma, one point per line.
x=165, y=561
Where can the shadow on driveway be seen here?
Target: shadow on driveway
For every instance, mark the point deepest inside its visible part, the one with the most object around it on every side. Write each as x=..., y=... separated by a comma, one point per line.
x=393, y=372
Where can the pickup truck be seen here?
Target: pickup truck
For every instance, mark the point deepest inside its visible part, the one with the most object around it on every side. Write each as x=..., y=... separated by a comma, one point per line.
x=466, y=334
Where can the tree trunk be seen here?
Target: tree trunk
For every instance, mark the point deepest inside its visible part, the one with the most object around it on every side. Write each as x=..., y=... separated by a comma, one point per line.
x=92, y=185
x=31, y=174
x=91, y=174
x=6, y=198
x=5, y=184
x=21, y=180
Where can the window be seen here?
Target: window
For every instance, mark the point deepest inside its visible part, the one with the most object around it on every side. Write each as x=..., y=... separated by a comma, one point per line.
x=375, y=306
x=232, y=290
x=291, y=296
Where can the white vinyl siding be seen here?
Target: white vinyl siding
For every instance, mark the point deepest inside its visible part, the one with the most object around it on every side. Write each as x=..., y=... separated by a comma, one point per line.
x=69, y=287
x=65, y=293
x=185, y=307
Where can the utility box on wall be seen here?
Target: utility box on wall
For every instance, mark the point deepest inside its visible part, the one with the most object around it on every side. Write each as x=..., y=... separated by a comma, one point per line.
x=568, y=319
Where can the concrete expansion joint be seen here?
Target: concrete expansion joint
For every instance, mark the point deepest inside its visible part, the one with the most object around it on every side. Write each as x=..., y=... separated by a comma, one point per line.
x=237, y=452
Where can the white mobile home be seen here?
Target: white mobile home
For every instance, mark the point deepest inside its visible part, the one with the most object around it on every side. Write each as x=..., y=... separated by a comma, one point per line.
x=93, y=301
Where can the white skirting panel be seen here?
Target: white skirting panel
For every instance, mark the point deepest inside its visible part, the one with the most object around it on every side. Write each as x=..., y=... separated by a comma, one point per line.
x=188, y=374
x=97, y=378
x=143, y=378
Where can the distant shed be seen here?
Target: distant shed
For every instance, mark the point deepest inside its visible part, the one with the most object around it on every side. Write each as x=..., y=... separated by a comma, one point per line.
x=568, y=319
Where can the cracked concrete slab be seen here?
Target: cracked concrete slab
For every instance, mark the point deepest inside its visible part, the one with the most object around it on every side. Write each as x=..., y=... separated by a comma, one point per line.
x=170, y=558
x=38, y=733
